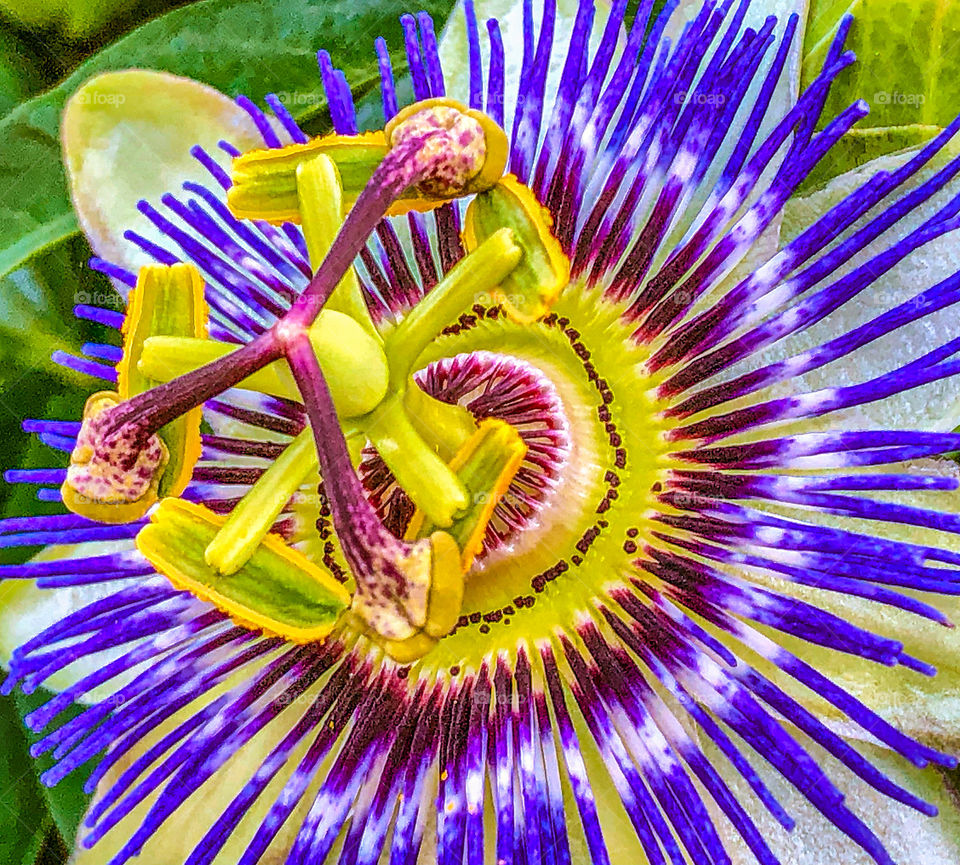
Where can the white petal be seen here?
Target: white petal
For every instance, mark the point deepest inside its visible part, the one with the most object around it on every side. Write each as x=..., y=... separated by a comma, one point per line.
x=927, y=708
x=127, y=136
x=26, y=610
x=177, y=837
x=934, y=406
x=910, y=837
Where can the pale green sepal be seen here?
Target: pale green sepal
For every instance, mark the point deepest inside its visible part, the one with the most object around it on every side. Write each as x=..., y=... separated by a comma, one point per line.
x=911, y=838
x=28, y=610
x=199, y=814
x=933, y=406
x=923, y=707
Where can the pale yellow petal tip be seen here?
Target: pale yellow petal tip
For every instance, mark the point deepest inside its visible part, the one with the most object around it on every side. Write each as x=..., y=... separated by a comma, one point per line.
x=115, y=124
x=254, y=597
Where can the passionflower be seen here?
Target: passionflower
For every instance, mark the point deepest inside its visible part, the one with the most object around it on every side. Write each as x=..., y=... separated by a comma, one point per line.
x=599, y=503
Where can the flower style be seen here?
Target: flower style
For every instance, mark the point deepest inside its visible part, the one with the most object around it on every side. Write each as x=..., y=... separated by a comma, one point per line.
x=588, y=522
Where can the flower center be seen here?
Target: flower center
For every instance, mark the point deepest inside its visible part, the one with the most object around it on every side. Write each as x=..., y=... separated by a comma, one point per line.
x=574, y=386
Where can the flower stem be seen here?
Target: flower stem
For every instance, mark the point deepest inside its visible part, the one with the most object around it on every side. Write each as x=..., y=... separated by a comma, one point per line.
x=152, y=409
x=349, y=508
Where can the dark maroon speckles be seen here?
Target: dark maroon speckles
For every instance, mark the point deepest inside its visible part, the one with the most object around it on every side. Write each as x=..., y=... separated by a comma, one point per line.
x=587, y=538
x=629, y=547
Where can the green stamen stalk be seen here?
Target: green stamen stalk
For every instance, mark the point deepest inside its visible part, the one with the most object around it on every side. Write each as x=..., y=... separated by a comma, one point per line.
x=320, y=195
x=474, y=275
x=251, y=520
x=419, y=470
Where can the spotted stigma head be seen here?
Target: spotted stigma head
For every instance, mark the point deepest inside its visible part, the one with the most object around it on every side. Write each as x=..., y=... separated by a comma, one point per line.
x=112, y=478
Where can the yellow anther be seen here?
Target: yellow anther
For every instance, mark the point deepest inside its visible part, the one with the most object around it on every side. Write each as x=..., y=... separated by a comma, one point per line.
x=265, y=181
x=166, y=302
x=278, y=590
x=544, y=271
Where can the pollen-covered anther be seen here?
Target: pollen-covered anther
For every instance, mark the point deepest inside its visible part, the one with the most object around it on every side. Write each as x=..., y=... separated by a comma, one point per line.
x=112, y=479
x=453, y=158
x=528, y=292
x=460, y=150
x=410, y=594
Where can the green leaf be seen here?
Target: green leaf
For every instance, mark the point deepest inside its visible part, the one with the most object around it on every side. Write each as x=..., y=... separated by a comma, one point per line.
x=36, y=319
x=18, y=75
x=76, y=17
x=23, y=821
x=237, y=46
x=36, y=823
x=66, y=803
x=907, y=69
